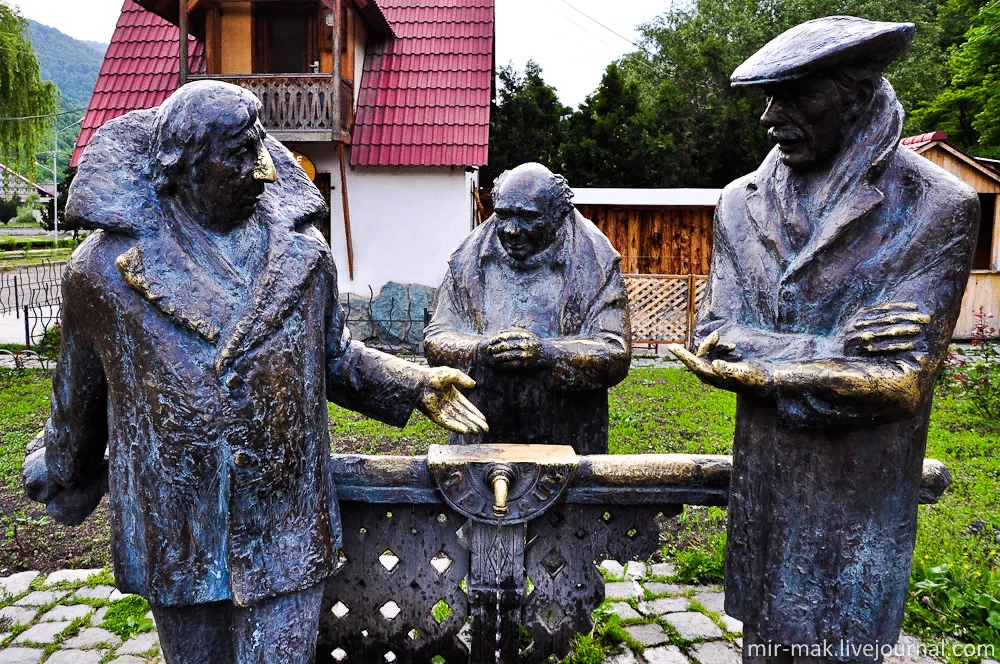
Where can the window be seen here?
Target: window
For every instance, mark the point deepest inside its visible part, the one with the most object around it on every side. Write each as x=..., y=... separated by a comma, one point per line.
x=285, y=38
x=981, y=260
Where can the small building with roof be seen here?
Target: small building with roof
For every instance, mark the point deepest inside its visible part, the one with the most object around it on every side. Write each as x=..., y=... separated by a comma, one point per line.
x=984, y=283
x=386, y=104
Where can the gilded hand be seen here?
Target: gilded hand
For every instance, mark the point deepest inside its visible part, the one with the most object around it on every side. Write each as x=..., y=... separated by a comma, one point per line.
x=516, y=348
x=886, y=328
x=441, y=401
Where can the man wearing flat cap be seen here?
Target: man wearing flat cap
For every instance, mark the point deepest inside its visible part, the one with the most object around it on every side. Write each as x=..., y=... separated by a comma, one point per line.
x=837, y=275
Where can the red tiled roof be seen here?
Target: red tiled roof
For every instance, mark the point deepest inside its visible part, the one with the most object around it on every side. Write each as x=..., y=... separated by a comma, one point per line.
x=425, y=94
x=917, y=142
x=140, y=69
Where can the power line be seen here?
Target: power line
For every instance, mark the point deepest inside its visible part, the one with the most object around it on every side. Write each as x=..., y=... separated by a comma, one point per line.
x=54, y=115
x=609, y=29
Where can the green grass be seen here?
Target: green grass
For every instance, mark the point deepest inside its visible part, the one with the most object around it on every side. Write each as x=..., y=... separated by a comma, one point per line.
x=668, y=410
x=24, y=405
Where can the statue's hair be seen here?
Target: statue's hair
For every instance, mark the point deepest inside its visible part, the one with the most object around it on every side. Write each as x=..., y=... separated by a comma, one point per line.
x=198, y=120
x=558, y=194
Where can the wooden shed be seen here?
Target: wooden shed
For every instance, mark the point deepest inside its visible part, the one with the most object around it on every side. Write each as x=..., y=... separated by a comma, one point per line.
x=665, y=239
x=984, y=284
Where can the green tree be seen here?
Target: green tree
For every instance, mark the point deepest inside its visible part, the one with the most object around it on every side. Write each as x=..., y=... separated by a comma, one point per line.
x=8, y=209
x=22, y=95
x=526, y=122
x=707, y=132
x=969, y=108
x=611, y=140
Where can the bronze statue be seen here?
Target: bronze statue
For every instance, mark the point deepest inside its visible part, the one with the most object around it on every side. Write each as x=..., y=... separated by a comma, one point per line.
x=201, y=340
x=836, y=280
x=534, y=308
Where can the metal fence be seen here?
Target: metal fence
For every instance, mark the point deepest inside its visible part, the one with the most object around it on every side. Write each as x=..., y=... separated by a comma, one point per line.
x=394, y=324
x=37, y=285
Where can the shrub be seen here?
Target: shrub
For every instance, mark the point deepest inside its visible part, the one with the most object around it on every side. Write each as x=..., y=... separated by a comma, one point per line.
x=975, y=373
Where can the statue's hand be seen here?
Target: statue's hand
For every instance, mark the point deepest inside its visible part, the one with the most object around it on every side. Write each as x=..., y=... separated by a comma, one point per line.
x=885, y=328
x=732, y=376
x=441, y=401
x=516, y=348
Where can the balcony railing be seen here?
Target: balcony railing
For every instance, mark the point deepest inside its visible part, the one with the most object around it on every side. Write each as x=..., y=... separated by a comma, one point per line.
x=296, y=107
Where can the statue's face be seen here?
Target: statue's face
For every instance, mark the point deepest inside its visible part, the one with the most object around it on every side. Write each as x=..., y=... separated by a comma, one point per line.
x=525, y=222
x=808, y=120
x=231, y=180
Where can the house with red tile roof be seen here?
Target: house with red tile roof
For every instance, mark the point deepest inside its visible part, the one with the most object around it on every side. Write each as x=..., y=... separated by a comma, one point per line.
x=386, y=103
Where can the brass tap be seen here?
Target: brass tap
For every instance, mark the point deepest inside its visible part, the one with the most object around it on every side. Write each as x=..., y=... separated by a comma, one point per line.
x=500, y=478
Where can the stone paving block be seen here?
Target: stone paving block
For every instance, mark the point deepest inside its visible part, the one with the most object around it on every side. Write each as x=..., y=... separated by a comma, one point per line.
x=42, y=633
x=663, y=606
x=715, y=602
x=732, y=624
x=623, y=658
x=139, y=644
x=693, y=625
x=117, y=595
x=613, y=568
x=98, y=592
x=129, y=659
x=75, y=657
x=21, y=656
x=17, y=584
x=91, y=637
x=717, y=652
x=660, y=588
x=648, y=635
x=624, y=611
x=71, y=575
x=41, y=598
x=17, y=615
x=664, y=655
x=635, y=570
x=67, y=612
x=98, y=616
x=622, y=590
x=663, y=569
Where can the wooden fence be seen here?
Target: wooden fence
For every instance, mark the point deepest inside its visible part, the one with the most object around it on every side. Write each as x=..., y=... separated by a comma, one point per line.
x=662, y=306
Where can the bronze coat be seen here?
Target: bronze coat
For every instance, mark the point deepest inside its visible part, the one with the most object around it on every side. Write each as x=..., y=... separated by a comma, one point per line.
x=212, y=410
x=564, y=401
x=823, y=500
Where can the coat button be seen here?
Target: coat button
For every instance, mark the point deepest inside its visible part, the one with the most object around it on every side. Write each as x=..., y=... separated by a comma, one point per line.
x=234, y=382
x=241, y=459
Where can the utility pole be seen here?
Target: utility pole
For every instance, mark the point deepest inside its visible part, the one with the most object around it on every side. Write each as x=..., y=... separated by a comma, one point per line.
x=182, y=25
x=55, y=180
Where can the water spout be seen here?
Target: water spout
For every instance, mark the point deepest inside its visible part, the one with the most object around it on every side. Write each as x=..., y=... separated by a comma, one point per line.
x=499, y=478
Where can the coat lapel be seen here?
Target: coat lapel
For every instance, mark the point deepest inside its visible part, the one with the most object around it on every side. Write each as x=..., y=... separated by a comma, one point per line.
x=164, y=275
x=851, y=207
x=291, y=260
x=763, y=212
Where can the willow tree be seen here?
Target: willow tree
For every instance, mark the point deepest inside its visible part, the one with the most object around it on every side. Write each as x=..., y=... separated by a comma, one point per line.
x=27, y=103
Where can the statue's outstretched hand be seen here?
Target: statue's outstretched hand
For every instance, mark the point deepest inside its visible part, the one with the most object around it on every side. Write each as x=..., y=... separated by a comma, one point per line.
x=441, y=401
x=732, y=376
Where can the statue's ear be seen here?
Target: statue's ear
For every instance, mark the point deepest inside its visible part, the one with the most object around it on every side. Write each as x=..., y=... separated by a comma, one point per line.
x=862, y=93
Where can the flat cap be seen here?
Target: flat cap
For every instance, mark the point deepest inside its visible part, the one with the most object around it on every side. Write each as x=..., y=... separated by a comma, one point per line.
x=821, y=44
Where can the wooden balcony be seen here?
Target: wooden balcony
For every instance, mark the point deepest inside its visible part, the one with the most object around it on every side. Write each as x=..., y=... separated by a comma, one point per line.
x=296, y=107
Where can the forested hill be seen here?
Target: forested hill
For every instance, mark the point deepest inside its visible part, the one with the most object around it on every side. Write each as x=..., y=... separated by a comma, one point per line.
x=73, y=65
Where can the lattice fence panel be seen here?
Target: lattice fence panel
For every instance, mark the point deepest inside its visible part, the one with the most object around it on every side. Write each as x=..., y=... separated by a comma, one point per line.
x=399, y=563
x=562, y=551
x=700, y=289
x=658, y=307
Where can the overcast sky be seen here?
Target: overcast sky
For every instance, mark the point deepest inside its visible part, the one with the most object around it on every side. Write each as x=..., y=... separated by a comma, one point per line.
x=572, y=49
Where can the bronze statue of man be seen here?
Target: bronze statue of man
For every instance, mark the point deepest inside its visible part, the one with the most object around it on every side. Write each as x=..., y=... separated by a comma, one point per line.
x=534, y=308
x=201, y=340
x=837, y=274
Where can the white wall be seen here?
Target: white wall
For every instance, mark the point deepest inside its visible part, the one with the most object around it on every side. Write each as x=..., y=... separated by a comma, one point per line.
x=405, y=221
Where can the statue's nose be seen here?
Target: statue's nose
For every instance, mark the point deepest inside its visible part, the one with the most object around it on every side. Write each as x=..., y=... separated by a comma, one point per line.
x=264, y=168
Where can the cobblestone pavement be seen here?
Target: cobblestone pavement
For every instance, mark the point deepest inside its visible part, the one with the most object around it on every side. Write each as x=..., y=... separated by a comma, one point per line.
x=63, y=618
